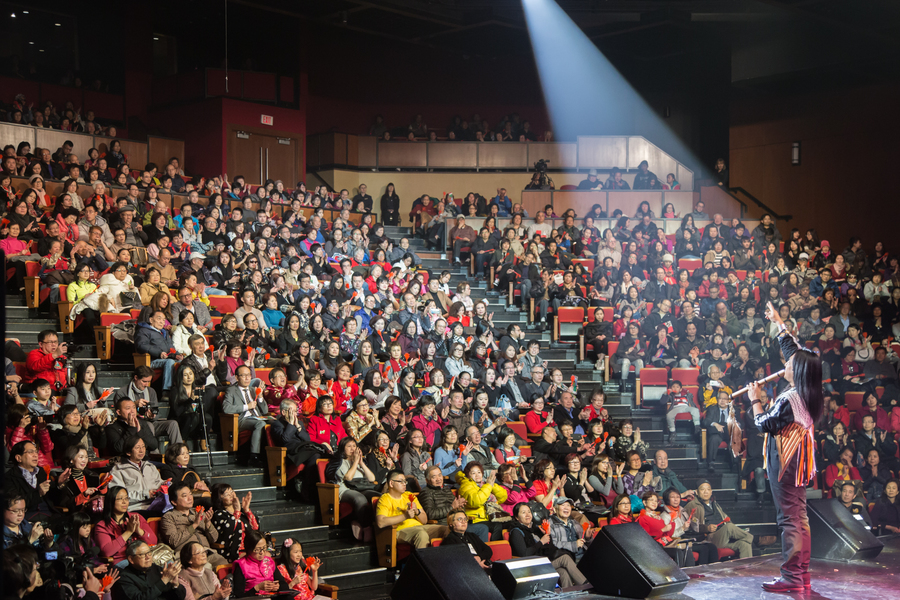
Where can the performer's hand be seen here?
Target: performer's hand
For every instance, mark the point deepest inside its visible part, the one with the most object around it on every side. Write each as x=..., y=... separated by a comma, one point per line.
x=753, y=391
x=772, y=314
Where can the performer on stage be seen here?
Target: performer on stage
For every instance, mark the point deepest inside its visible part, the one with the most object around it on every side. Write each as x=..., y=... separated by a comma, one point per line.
x=789, y=453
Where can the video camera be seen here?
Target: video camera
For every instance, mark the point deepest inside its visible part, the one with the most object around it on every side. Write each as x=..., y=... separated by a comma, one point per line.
x=541, y=165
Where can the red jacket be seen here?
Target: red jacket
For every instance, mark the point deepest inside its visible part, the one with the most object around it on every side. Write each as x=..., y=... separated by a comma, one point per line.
x=343, y=396
x=831, y=475
x=533, y=423
x=40, y=365
x=320, y=429
x=653, y=526
x=36, y=434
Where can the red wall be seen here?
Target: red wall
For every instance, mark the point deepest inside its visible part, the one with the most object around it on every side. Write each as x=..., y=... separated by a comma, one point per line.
x=203, y=126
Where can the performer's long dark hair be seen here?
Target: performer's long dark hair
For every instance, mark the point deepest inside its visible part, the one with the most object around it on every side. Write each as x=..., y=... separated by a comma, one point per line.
x=808, y=381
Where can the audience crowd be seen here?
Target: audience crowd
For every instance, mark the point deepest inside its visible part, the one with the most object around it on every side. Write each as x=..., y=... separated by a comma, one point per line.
x=349, y=350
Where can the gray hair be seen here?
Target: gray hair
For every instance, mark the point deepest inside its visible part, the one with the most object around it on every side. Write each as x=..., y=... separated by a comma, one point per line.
x=285, y=404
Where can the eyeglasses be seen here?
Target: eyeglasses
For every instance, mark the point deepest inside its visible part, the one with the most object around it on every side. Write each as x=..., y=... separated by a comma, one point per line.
x=259, y=550
x=16, y=511
x=400, y=481
x=142, y=554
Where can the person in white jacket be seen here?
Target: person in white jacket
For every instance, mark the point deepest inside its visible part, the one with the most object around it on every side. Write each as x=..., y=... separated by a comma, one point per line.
x=183, y=331
x=877, y=290
x=139, y=477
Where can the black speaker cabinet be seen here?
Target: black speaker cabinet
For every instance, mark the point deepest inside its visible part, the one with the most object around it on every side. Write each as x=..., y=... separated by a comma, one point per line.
x=625, y=561
x=837, y=534
x=444, y=573
x=523, y=577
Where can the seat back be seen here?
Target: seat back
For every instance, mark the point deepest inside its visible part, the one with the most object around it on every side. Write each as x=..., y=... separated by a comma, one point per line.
x=519, y=428
x=654, y=376
x=690, y=263
x=607, y=314
x=854, y=401
x=223, y=304
x=685, y=376
x=320, y=465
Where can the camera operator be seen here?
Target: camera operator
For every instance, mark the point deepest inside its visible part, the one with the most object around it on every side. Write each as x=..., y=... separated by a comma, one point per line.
x=16, y=530
x=540, y=180
x=147, y=405
x=48, y=361
x=143, y=579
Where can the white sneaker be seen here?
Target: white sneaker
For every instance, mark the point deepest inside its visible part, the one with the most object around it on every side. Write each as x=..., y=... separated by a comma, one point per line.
x=598, y=366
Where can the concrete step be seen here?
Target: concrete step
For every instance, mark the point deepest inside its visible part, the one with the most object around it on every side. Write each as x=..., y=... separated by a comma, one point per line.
x=341, y=557
x=359, y=580
x=313, y=533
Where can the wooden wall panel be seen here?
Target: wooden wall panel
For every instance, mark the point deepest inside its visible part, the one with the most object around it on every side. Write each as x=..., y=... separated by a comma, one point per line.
x=683, y=202
x=502, y=155
x=53, y=139
x=402, y=154
x=14, y=134
x=535, y=200
x=601, y=152
x=452, y=155
x=582, y=202
x=628, y=202
x=367, y=150
x=352, y=150
x=161, y=150
x=562, y=155
x=136, y=151
x=340, y=149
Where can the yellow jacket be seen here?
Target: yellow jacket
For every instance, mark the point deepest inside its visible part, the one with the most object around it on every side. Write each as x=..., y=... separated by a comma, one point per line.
x=476, y=496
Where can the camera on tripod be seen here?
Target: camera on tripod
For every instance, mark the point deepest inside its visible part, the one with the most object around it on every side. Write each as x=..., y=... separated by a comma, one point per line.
x=541, y=165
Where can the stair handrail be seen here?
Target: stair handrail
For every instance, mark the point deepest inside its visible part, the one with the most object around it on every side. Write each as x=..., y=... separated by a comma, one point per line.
x=756, y=201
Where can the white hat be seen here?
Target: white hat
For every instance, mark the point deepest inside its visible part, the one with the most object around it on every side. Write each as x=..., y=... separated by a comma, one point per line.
x=803, y=255
x=592, y=173
x=198, y=256
x=668, y=257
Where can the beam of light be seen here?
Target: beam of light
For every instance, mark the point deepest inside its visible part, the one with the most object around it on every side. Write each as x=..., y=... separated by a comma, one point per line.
x=584, y=93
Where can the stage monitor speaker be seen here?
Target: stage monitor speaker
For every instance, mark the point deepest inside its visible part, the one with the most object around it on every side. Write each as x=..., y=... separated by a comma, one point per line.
x=837, y=534
x=625, y=561
x=523, y=577
x=444, y=573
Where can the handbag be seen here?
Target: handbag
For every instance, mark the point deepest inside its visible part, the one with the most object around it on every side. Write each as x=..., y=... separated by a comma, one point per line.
x=361, y=486
x=161, y=554
x=129, y=300
x=57, y=277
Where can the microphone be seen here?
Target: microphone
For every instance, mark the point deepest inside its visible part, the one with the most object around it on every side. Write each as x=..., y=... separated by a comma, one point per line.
x=771, y=377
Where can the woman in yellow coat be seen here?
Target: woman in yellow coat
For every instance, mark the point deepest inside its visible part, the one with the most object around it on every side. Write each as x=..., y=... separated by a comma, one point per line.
x=477, y=491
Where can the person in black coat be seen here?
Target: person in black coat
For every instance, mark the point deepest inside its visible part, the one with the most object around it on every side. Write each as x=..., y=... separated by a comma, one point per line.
x=142, y=580
x=390, y=206
x=24, y=457
x=288, y=431
x=459, y=523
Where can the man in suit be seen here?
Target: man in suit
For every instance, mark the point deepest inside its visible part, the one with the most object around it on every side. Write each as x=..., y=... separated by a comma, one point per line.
x=288, y=431
x=186, y=301
x=716, y=424
x=27, y=480
x=240, y=400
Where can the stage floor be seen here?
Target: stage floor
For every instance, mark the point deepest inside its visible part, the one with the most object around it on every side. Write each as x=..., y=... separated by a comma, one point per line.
x=741, y=580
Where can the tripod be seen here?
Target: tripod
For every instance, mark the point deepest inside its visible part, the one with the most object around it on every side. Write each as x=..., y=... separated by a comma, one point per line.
x=198, y=397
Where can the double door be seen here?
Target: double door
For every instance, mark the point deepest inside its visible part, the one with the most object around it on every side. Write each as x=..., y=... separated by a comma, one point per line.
x=259, y=157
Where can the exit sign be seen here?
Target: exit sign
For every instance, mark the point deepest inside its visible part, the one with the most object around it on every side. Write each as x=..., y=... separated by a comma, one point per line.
x=267, y=120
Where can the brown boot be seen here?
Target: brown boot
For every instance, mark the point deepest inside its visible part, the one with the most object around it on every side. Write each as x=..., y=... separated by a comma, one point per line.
x=102, y=303
x=766, y=540
x=203, y=445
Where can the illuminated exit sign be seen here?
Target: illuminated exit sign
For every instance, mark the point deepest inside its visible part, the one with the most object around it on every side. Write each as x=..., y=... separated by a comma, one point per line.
x=267, y=120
